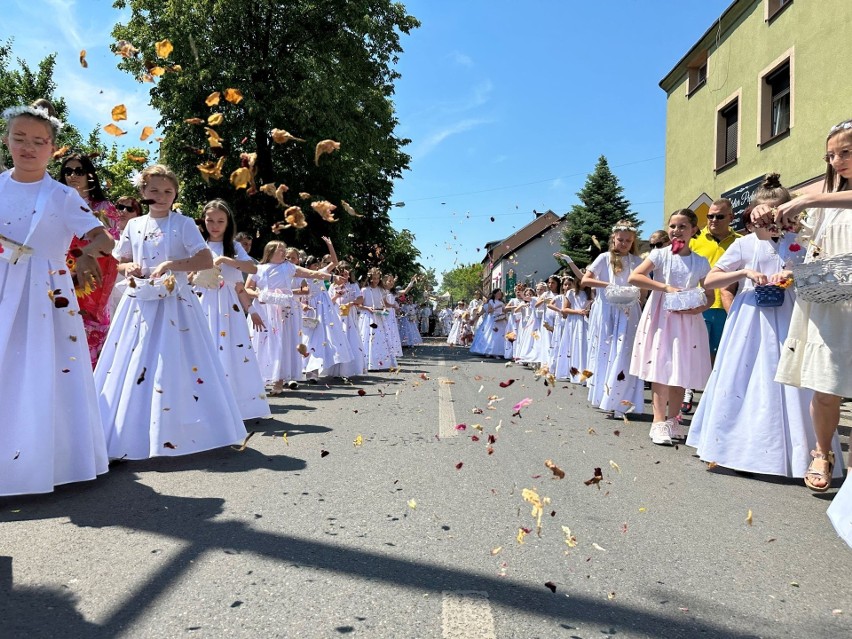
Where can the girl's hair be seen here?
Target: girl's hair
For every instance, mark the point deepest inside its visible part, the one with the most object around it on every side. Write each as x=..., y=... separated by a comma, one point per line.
x=494, y=292
x=770, y=190
x=41, y=110
x=834, y=182
x=230, y=228
x=291, y=251
x=158, y=170
x=269, y=250
x=688, y=214
x=373, y=272
x=132, y=201
x=242, y=235
x=614, y=258
x=661, y=235
x=96, y=193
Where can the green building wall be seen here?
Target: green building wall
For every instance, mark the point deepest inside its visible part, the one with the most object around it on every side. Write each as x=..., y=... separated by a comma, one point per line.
x=821, y=96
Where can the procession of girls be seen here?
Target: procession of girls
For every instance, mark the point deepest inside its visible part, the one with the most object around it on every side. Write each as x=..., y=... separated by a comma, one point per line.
x=136, y=324
x=615, y=341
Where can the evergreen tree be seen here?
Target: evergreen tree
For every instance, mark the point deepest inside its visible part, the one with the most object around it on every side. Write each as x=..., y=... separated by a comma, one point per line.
x=602, y=204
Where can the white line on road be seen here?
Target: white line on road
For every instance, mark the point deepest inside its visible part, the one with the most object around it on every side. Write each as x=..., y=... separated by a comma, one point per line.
x=446, y=412
x=466, y=614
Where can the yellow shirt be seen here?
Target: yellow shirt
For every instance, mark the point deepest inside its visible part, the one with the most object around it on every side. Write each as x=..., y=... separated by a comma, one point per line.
x=708, y=246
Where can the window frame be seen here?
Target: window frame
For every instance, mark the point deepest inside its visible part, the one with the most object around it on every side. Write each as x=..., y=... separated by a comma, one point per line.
x=694, y=80
x=766, y=98
x=773, y=8
x=721, y=161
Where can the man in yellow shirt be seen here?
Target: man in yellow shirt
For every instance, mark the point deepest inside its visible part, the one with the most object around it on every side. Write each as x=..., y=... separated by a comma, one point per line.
x=712, y=242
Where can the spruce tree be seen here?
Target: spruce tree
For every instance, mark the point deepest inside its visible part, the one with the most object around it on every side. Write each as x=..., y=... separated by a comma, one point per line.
x=602, y=204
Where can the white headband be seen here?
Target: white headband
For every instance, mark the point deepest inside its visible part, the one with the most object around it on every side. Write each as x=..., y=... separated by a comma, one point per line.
x=841, y=126
x=615, y=229
x=38, y=112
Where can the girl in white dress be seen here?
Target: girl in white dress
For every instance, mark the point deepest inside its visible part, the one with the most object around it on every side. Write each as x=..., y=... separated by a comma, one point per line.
x=346, y=295
x=512, y=311
x=454, y=336
x=392, y=308
x=376, y=325
x=277, y=316
x=323, y=335
x=612, y=326
x=493, y=330
x=572, y=354
x=671, y=349
x=817, y=353
x=529, y=350
x=218, y=293
x=163, y=391
x=52, y=431
x=746, y=420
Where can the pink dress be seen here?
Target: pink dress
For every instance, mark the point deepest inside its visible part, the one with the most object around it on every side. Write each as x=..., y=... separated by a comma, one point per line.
x=672, y=348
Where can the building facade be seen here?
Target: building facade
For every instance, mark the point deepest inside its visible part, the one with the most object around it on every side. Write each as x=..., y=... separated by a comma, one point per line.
x=756, y=94
x=526, y=256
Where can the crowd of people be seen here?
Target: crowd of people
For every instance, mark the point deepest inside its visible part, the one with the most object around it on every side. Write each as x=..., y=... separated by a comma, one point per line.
x=158, y=334
x=712, y=310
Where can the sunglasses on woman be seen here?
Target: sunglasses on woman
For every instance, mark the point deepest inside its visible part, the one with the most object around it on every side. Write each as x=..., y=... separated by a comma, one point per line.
x=657, y=245
x=79, y=171
x=125, y=207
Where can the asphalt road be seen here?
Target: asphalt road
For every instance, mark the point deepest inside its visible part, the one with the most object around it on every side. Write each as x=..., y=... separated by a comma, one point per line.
x=412, y=530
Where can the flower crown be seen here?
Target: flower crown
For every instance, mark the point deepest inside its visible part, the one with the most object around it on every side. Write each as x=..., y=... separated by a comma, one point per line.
x=38, y=112
x=622, y=227
x=840, y=127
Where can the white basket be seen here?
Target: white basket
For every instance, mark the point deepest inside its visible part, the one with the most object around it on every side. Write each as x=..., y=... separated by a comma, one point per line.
x=826, y=281
x=158, y=288
x=621, y=295
x=309, y=318
x=210, y=278
x=685, y=300
x=11, y=251
x=278, y=298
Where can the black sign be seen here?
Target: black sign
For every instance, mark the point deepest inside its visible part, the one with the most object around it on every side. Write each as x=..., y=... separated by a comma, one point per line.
x=740, y=198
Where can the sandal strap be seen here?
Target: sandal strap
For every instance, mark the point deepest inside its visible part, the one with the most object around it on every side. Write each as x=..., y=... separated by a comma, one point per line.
x=829, y=456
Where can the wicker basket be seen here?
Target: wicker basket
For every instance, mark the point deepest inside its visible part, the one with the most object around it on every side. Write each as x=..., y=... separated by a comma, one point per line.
x=826, y=281
x=309, y=318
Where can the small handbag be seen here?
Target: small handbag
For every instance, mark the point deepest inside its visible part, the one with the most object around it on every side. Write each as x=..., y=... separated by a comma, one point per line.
x=768, y=295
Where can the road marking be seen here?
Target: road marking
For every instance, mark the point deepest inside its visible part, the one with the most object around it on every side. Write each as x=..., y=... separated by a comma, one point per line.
x=466, y=614
x=446, y=412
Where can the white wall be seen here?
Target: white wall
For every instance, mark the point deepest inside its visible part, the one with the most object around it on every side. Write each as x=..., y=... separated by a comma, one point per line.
x=534, y=261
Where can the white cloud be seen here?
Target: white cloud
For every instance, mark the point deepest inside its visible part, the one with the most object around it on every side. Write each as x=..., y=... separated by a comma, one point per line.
x=432, y=141
x=461, y=59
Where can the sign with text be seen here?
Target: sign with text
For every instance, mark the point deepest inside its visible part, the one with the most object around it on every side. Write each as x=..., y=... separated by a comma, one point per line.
x=740, y=198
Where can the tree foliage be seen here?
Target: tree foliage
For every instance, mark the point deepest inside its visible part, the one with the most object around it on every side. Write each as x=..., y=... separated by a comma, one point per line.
x=318, y=69
x=602, y=204
x=463, y=281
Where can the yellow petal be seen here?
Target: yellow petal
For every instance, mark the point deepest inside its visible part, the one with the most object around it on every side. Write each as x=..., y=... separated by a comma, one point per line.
x=146, y=132
x=113, y=130
x=164, y=48
x=323, y=147
x=158, y=71
x=234, y=96
x=412, y=504
x=119, y=112
x=212, y=99
x=83, y=62
x=360, y=440
x=215, y=119
x=241, y=177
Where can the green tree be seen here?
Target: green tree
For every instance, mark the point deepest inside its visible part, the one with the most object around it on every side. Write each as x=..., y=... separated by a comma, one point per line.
x=602, y=204
x=119, y=168
x=321, y=70
x=463, y=281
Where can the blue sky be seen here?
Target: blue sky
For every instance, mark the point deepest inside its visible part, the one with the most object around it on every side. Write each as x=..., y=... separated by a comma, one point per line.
x=508, y=104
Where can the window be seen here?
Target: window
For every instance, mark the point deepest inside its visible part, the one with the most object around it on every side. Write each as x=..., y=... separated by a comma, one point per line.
x=779, y=91
x=775, y=117
x=727, y=133
x=774, y=7
x=697, y=71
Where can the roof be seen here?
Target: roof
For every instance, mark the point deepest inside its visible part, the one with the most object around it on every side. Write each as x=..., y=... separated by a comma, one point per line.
x=542, y=223
x=728, y=17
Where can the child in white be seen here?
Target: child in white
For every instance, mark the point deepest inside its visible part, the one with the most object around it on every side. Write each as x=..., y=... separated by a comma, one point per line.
x=612, y=326
x=347, y=297
x=454, y=336
x=217, y=291
x=671, y=349
x=375, y=325
x=746, y=420
x=51, y=432
x=162, y=387
x=571, y=357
